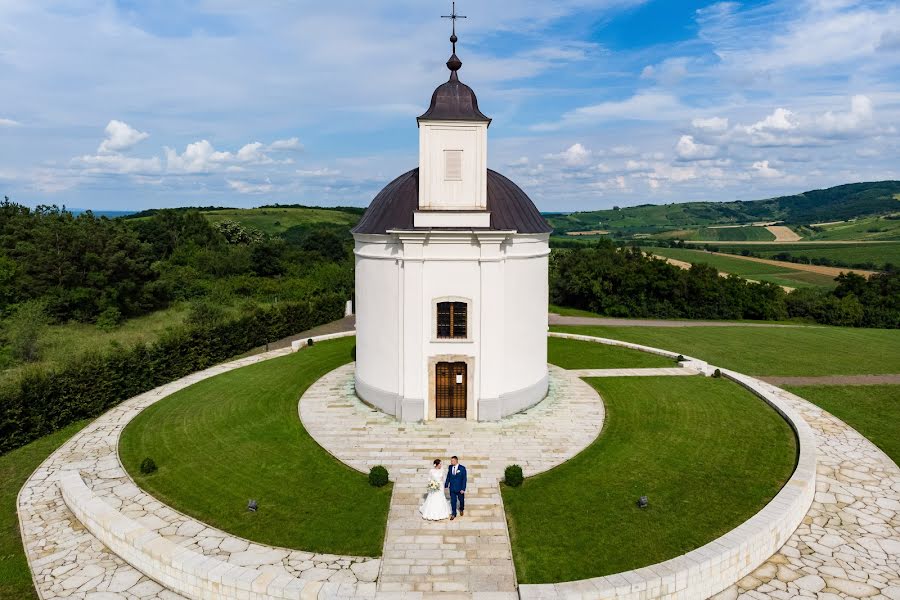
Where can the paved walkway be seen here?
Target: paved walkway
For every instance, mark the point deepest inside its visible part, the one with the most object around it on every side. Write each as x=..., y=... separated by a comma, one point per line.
x=471, y=554
x=68, y=562
x=848, y=546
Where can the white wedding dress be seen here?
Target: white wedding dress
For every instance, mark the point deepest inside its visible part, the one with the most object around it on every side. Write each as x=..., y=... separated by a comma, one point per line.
x=436, y=506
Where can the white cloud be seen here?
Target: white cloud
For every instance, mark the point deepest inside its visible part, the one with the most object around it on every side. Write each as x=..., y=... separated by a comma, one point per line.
x=711, y=125
x=575, y=155
x=247, y=187
x=688, y=149
x=762, y=169
x=120, y=136
x=780, y=120
x=643, y=106
x=322, y=172
x=669, y=72
x=288, y=144
x=198, y=157
x=8, y=123
x=860, y=116
x=118, y=164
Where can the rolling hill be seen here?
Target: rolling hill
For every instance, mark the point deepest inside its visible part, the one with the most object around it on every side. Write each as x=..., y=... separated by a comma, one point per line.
x=841, y=203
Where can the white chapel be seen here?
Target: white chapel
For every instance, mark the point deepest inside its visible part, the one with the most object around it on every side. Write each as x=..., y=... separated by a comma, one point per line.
x=451, y=278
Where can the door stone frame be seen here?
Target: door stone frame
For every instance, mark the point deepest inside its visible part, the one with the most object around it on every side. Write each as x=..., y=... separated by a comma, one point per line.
x=471, y=404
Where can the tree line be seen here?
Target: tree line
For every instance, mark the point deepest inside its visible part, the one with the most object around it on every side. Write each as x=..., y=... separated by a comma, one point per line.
x=625, y=282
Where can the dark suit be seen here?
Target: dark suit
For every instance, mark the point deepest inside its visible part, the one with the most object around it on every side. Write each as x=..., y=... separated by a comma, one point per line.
x=456, y=483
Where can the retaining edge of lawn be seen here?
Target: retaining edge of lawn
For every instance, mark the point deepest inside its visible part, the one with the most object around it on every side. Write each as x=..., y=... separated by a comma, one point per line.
x=708, y=570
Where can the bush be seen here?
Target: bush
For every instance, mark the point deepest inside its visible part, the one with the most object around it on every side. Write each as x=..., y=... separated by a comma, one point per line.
x=717, y=373
x=24, y=329
x=109, y=319
x=43, y=401
x=378, y=476
x=148, y=466
x=513, y=476
x=680, y=358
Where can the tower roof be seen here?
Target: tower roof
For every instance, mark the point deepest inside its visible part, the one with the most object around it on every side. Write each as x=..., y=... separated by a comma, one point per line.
x=454, y=100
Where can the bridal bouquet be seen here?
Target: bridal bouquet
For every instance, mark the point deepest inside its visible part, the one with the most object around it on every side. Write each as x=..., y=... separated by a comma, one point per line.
x=433, y=486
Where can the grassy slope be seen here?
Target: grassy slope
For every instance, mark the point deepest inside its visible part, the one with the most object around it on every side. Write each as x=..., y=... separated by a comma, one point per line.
x=277, y=220
x=238, y=436
x=873, y=410
x=15, y=468
x=572, y=354
x=734, y=234
x=771, y=351
x=707, y=453
x=749, y=269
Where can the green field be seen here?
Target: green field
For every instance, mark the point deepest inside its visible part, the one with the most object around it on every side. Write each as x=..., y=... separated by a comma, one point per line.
x=573, y=354
x=734, y=234
x=278, y=220
x=747, y=269
x=872, y=410
x=237, y=436
x=872, y=228
x=785, y=351
x=861, y=254
x=706, y=452
x=15, y=468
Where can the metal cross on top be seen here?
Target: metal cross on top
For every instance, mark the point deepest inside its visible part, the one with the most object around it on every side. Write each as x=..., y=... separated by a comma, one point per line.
x=453, y=17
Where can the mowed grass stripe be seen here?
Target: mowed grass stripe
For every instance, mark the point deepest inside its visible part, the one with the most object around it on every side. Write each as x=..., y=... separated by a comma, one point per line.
x=807, y=351
x=238, y=436
x=707, y=453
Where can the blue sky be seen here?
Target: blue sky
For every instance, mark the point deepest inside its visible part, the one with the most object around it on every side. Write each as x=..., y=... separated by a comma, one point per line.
x=130, y=104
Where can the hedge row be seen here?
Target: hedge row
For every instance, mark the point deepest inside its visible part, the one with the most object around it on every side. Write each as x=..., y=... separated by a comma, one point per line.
x=43, y=401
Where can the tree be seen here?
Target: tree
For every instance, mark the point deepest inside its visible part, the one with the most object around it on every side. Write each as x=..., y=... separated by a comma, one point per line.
x=24, y=329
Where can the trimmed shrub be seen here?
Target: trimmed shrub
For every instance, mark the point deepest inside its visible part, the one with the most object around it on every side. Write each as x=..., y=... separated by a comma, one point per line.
x=45, y=400
x=378, y=476
x=148, y=466
x=717, y=373
x=513, y=476
x=680, y=358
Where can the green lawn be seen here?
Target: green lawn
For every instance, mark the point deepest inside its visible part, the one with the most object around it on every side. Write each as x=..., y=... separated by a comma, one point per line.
x=771, y=350
x=748, y=269
x=15, y=468
x=238, y=436
x=707, y=453
x=573, y=354
x=872, y=410
x=278, y=220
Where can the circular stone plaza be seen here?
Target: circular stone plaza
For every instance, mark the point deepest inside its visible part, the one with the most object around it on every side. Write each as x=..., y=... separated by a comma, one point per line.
x=90, y=532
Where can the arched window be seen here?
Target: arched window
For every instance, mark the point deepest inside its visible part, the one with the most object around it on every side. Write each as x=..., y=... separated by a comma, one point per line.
x=452, y=320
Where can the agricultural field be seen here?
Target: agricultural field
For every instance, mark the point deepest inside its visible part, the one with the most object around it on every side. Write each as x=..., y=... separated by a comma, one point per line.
x=277, y=220
x=873, y=228
x=861, y=256
x=784, y=276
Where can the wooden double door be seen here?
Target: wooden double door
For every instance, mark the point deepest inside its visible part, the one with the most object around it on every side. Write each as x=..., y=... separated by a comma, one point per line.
x=450, y=390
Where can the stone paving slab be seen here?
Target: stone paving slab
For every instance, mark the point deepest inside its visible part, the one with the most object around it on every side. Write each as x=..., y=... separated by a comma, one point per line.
x=68, y=562
x=471, y=554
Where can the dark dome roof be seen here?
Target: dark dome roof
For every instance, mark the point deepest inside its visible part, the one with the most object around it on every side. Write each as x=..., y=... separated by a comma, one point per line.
x=394, y=206
x=454, y=101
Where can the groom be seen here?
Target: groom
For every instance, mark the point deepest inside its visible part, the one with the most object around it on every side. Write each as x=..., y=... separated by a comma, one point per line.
x=456, y=483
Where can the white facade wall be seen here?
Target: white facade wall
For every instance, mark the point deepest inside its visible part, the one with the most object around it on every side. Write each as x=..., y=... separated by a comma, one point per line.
x=400, y=278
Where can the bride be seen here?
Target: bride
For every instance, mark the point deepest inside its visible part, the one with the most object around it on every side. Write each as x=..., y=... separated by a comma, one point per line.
x=436, y=506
